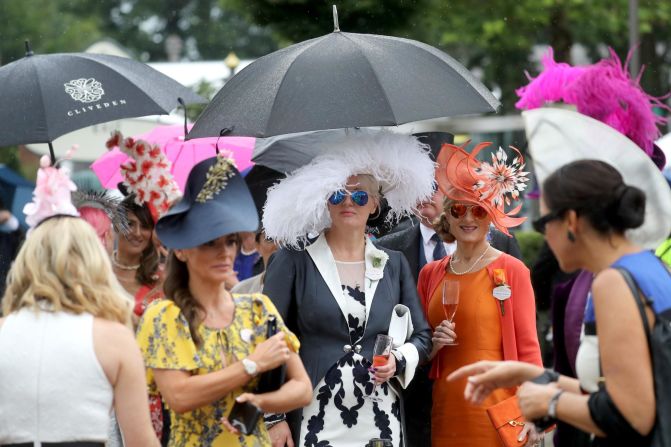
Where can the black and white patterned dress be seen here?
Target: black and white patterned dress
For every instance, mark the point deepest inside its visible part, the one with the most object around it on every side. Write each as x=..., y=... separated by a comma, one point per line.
x=339, y=414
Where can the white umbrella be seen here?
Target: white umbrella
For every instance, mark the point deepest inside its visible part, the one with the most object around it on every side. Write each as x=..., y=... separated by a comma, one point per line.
x=558, y=137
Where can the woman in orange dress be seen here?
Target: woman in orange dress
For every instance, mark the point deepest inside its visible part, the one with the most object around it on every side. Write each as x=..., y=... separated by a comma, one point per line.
x=496, y=314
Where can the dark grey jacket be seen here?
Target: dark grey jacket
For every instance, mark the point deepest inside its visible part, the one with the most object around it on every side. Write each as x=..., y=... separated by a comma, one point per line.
x=305, y=288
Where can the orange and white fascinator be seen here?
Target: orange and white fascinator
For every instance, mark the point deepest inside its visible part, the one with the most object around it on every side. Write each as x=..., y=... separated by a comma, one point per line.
x=494, y=186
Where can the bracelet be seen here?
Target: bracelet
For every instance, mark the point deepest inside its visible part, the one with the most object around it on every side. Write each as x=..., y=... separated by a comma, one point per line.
x=552, y=406
x=271, y=419
x=270, y=425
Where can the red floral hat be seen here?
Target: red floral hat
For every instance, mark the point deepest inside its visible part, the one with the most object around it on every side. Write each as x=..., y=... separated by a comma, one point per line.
x=147, y=174
x=464, y=178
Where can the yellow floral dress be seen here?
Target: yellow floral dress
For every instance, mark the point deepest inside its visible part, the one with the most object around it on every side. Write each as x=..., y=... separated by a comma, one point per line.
x=166, y=343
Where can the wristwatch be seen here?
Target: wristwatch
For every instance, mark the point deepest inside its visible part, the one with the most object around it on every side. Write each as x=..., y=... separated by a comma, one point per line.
x=250, y=366
x=552, y=406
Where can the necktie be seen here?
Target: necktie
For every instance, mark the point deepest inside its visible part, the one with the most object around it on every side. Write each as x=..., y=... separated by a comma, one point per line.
x=439, y=250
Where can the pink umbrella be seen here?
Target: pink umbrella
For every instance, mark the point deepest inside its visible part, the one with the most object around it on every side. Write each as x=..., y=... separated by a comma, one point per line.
x=183, y=154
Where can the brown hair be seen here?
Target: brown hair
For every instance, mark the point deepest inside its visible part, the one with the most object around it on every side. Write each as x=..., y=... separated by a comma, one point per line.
x=149, y=260
x=176, y=288
x=441, y=224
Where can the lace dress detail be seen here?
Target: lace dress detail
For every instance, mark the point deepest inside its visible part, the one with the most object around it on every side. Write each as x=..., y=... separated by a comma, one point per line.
x=339, y=414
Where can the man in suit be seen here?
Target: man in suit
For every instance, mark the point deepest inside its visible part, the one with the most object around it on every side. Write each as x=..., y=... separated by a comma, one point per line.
x=420, y=244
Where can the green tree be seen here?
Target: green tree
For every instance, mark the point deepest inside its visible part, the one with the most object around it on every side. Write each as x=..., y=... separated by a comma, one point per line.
x=296, y=20
x=51, y=26
x=497, y=36
x=207, y=29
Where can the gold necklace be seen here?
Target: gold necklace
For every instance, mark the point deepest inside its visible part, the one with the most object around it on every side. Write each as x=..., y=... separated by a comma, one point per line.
x=117, y=264
x=472, y=265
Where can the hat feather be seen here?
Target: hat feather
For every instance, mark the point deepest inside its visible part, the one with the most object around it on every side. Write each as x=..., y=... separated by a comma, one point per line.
x=297, y=205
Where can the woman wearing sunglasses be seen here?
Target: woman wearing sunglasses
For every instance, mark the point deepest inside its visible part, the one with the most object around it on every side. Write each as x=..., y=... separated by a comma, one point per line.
x=586, y=209
x=338, y=293
x=496, y=313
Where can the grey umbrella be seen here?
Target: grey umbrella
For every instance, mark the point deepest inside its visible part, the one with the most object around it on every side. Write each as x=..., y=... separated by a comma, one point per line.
x=343, y=80
x=45, y=96
x=288, y=152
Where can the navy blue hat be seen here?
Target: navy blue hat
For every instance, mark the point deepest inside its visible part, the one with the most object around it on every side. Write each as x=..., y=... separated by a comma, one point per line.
x=435, y=140
x=216, y=202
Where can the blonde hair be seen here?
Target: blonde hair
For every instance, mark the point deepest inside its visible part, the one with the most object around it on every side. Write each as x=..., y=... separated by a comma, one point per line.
x=62, y=263
x=371, y=184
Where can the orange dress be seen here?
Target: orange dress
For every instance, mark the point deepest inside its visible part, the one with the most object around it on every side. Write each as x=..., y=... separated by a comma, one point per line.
x=455, y=422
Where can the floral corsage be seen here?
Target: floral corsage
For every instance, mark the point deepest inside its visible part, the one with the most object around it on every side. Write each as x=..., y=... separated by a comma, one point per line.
x=378, y=259
x=501, y=290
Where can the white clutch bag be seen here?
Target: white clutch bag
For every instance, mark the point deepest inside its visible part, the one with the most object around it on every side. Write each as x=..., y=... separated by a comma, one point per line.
x=400, y=325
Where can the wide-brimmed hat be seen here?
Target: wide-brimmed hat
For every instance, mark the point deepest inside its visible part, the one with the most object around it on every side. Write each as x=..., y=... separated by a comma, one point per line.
x=558, y=137
x=464, y=178
x=604, y=91
x=216, y=202
x=297, y=205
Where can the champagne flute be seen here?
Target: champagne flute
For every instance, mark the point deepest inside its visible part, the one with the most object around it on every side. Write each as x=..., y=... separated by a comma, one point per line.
x=381, y=352
x=450, y=302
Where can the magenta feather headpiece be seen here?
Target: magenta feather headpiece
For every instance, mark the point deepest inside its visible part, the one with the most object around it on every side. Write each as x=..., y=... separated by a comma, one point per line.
x=603, y=91
x=550, y=85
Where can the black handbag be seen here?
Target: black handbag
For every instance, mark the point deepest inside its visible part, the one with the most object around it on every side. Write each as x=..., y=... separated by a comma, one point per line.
x=274, y=379
x=659, y=342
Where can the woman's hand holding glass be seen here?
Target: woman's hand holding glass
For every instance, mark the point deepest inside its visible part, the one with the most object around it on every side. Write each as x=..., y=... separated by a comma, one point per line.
x=270, y=354
x=386, y=371
x=444, y=334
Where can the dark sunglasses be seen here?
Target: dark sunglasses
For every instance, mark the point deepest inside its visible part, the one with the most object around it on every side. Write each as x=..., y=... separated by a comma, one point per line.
x=539, y=224
x=358, y=197
x=459, y=210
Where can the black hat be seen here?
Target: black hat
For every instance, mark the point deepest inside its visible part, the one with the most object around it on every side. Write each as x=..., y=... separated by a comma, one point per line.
x=216, y=202
x=435, y=140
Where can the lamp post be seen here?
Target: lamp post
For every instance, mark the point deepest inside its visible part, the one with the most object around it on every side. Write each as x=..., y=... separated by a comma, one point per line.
x=232, y=63
x=634, y=39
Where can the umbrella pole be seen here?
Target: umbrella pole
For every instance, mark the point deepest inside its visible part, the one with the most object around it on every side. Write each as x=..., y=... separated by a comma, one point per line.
x=51, y=152
x=181, y=102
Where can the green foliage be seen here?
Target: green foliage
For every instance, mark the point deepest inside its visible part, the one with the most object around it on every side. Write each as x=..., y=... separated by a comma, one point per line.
x=296, y=20
x=52, y=26
x=9, y=156
x=530, y=244
x=206, y=90
x=497, y=36
x=208, y=30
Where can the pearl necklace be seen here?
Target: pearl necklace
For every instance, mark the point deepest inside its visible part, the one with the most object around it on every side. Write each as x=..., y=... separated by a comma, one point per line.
x=472, y=265
x=122, y=266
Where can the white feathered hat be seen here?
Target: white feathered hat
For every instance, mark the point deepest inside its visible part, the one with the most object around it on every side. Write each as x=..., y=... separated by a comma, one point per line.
x=297, y=205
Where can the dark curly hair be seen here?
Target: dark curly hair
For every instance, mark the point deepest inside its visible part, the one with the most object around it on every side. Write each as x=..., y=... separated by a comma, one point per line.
x=595, y=190
x=149, y=259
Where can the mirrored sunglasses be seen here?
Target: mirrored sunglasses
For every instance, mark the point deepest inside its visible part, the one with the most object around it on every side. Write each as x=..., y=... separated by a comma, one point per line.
x=459, y=210
x=358, y=197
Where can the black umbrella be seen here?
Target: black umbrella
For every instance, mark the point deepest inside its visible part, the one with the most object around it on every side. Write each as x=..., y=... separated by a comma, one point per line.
x=45, y=96
x=343, y=80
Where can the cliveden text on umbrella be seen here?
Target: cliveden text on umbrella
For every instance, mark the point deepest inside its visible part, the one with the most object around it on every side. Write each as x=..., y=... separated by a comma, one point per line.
x=104, y=105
